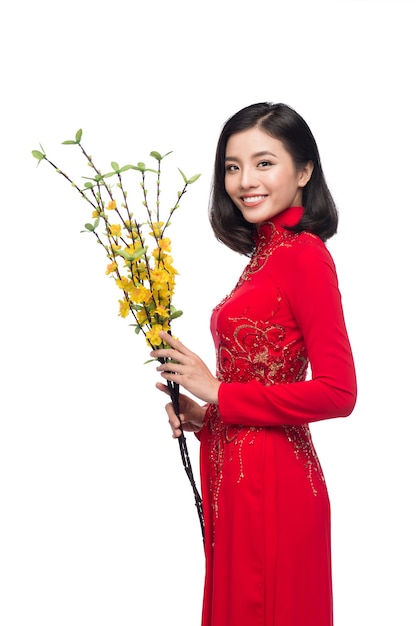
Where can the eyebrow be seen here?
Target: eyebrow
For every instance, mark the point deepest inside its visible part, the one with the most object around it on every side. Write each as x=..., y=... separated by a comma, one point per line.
x=255, y=155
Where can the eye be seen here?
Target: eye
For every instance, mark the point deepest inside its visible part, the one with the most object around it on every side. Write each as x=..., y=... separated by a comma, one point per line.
x=264, y=164
x=231, y=168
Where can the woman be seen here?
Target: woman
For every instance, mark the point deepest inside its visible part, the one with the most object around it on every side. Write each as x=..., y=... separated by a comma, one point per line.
x=266, y=507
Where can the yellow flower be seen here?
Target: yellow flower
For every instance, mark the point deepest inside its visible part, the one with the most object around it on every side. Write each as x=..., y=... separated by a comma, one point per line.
x=153, y=335
x=141, y=317
x=161, y=312
x=163, y=294
x=123, y=308
x=140, y=295
x=156, y=229
x=111, y=205
x=115, y=230
x=124, y=283
x=95, y=213
x=139, y=271
x=111, y=267
x=159, y=277
x=161, y=255
x=168, y=260
x=165, y=244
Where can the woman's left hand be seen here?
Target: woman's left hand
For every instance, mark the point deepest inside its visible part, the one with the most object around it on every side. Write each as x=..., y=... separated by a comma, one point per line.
x=188, y=370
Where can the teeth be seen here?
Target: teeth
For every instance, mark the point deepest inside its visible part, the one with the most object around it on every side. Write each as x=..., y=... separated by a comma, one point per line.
x=253, y=199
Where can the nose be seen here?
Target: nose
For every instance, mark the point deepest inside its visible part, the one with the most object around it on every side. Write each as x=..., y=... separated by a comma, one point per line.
x=248, y=178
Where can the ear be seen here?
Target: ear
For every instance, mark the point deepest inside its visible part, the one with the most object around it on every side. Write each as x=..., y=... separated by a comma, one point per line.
x=305, y=174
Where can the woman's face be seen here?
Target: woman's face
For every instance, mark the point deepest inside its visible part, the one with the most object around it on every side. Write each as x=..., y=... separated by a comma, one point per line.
x=260, y=176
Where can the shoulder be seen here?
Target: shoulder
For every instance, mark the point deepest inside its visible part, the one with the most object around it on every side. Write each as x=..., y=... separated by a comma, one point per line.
x=304, y=268
x=303, y=250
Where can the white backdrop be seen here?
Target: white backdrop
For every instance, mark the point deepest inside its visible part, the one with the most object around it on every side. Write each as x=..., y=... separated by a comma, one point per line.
x=97, y=521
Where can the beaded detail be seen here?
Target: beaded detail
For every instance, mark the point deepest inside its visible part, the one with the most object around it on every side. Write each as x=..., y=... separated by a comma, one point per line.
x=249, y=349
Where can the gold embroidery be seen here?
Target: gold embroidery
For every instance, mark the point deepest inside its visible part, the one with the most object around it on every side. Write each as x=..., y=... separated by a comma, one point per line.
x=257, y=350
x=300, y=437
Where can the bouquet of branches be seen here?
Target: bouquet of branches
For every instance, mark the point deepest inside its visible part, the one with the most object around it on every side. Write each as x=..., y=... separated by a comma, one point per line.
x=143, y=273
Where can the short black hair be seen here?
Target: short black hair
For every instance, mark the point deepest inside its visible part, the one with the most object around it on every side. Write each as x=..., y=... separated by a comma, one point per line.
x=284, y=123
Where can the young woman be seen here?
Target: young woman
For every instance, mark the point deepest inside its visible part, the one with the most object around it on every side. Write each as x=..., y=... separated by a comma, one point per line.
x=266, y=507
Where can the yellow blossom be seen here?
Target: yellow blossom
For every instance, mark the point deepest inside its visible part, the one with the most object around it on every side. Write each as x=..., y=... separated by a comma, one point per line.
x=124, y=283
x=132, y=249
x=123, y=308
x=141, y=317
x=95, y=213
x=139, y=271
x=140, y=295
x=161, y=312
x=165, y=244
x=159, y=277
x=111, y=267
x=156, y=229
x=153, y=335
x=163, y=295
x=168, y=261
x=111, y=205
x=115, y=230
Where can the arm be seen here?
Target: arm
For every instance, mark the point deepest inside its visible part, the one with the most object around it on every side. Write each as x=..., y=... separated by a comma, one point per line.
x=311, y=290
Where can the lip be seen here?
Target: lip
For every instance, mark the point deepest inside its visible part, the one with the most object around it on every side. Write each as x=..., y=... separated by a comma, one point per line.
x=253, y=200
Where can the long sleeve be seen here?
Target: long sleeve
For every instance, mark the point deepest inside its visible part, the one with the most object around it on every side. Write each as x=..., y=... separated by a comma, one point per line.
x=309, y=289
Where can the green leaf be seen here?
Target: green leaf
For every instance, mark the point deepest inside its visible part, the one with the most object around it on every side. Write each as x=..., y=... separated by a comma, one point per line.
x=124, y=254
x=127, y=167
x=138, y=254
x=156, y=155
x=188, y=181
x=183, y=175
x=96, y=223
x=88, y=185
x=69, y=142
x=115, y=165
x=38, y=155
x=142, y=167
x=78, y=135
x=109, y=174
x=176, y=314
x=89, y=227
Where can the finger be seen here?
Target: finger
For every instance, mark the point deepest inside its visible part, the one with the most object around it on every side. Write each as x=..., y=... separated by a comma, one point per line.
x=174, y=422
x=174, y=343
x=163, y=388
x=166, y=353
x=169, y=366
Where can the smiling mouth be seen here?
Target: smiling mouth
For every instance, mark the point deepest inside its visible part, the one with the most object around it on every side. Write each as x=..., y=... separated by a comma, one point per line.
x=252, y=199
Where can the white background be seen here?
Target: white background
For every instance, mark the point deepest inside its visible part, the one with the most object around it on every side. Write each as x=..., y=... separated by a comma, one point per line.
x=97, y=520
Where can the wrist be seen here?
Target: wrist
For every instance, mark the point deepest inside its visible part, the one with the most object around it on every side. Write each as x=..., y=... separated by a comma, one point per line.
x=214, y=392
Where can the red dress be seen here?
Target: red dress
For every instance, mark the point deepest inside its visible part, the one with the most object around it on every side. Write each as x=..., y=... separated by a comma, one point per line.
x=266, y=507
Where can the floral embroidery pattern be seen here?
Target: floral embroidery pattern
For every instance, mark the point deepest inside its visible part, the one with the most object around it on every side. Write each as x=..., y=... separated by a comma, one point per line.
x=259, y=350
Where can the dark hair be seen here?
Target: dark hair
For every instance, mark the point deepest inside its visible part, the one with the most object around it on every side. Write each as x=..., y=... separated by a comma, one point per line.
x=284, y=123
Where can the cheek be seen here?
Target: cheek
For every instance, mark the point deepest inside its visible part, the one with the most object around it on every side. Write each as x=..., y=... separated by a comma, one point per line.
x=230, y=187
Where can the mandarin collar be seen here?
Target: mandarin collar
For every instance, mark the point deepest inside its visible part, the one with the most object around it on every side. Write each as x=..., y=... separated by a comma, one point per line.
x=288, y=217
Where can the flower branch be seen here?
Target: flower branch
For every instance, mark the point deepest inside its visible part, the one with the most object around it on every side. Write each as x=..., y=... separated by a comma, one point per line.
x=146, y=278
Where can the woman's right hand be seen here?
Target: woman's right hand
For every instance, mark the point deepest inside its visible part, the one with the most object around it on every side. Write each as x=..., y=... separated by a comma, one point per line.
x=191, y=413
